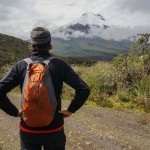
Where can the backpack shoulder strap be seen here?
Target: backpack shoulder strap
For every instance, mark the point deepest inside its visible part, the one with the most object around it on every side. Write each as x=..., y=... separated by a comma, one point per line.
x=28, y=61
x=48, y=60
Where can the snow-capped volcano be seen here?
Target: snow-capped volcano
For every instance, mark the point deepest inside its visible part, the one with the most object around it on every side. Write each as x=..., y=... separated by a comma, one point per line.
x=91, y=19
x=92, y=36
x=88, y=25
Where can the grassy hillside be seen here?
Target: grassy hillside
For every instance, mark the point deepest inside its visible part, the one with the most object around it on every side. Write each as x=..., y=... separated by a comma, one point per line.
x=12, y=49
x=111, y=88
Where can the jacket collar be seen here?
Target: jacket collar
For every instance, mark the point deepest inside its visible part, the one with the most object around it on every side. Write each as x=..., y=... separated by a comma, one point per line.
x=37, y=53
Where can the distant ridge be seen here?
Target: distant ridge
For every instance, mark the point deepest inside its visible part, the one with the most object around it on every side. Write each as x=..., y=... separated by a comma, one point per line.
x=95, y=48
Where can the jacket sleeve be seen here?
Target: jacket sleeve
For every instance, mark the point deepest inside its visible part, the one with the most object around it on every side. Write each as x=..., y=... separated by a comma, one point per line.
x=10, y=81
x=82, y=90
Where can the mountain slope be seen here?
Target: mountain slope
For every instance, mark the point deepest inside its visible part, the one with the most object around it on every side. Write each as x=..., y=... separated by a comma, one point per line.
x=12, y=49
x=90, y=47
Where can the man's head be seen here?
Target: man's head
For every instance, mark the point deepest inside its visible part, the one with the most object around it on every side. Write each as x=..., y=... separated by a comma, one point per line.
x=41, y=39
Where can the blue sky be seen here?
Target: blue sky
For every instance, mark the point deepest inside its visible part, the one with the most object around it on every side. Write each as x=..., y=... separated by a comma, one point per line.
x=18, y=17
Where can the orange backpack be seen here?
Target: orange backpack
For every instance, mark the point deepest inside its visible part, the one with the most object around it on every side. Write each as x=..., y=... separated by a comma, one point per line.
x=39, y=102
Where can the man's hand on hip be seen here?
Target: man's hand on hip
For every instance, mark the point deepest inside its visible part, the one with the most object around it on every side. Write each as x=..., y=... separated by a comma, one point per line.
x=66, y=113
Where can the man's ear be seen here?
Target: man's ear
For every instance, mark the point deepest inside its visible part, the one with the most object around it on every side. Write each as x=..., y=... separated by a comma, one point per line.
x=51, y=46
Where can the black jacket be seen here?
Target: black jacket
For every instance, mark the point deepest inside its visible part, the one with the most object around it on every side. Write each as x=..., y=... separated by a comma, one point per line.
x=60, y=72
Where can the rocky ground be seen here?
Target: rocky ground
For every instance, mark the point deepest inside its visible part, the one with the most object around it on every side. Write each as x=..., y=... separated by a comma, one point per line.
x=91, y=128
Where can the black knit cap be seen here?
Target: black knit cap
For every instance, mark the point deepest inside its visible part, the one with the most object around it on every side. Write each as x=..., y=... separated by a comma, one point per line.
x=40, y=36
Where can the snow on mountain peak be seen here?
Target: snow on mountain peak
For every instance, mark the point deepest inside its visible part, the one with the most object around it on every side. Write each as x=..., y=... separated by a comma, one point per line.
x=91, y=16
x=91, y=19
x=88, y=25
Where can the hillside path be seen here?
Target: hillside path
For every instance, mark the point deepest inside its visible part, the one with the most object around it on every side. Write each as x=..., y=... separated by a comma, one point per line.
x=91, y=128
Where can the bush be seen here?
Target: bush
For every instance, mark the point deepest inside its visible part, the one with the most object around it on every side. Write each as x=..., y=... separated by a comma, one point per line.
x=133, y=73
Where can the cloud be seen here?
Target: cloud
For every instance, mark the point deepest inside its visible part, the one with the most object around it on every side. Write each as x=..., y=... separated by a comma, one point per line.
x=4, y=13
x=23, y=15
x=115, y=33
x=10, y=3
x=7, y=8
x=134, y=5
x=120, y=33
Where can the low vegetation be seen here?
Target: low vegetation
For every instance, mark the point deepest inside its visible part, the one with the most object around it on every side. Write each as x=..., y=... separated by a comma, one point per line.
x=12, y=49
x=122, y=83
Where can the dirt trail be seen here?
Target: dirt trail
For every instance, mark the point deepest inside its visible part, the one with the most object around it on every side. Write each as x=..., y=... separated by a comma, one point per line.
x=91, y=128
